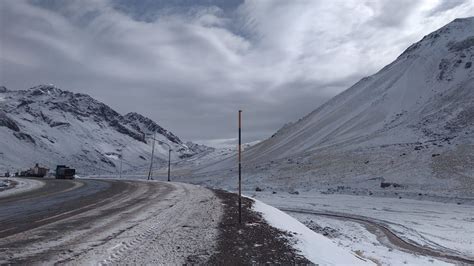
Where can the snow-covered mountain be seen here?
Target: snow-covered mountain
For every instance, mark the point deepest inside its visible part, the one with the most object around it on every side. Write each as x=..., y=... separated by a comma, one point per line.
x=51, y=126
x=410, y=123
x=425, y=95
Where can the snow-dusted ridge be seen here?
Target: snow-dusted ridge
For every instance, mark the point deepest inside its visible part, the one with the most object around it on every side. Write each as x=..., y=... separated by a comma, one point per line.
x=52, y=126
x=398, y=99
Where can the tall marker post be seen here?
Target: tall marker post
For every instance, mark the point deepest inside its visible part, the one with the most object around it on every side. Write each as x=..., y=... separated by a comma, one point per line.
x=240, y=166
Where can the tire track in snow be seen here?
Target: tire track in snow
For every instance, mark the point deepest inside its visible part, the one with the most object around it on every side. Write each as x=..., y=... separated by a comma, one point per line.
x=135, y=223
x=176, y=230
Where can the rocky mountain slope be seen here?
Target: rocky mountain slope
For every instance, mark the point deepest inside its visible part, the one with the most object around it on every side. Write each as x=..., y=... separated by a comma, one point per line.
x=411, y=124
x=51, y=126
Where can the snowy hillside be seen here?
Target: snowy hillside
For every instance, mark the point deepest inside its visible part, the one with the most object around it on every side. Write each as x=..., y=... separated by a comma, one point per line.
x=51, y=126
x=412, y=123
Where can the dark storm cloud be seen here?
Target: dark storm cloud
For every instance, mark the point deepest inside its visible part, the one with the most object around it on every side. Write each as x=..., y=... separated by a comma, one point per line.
x=190, y=65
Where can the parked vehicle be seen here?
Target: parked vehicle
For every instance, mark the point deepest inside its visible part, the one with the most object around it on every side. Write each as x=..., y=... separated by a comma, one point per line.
x=64, y=172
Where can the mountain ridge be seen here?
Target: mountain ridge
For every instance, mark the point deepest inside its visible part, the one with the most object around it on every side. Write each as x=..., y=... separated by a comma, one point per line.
x=446, y=69
x=44, y=116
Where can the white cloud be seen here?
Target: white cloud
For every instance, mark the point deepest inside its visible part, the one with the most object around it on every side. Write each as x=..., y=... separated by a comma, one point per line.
x=276, y=59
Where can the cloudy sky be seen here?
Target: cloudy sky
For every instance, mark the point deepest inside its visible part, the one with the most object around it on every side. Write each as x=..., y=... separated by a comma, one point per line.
x=191, y=64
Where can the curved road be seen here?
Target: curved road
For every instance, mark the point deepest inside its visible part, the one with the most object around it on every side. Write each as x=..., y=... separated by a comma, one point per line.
x=57, y=199
x=381, y=230
x=105, y=221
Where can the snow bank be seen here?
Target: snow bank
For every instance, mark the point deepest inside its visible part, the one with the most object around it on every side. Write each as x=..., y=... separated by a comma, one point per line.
x=22, y=185
x=315, y=247
x=434, y=224
x=5, y=184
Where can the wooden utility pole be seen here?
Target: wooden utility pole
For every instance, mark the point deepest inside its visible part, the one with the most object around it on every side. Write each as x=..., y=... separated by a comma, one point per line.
x=240, y=166
x=121, y=155
x=150, y=177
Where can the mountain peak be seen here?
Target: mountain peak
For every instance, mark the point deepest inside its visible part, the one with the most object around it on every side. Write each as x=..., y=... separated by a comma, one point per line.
x=75, y=129
x=464, y=21
x=146, y=125
x=443, y=38
x=455, y=26
x=45, y=89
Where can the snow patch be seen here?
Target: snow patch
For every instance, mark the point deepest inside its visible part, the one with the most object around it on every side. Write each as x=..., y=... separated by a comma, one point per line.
x=316, y=248
x=441, y=226
x=22, y=185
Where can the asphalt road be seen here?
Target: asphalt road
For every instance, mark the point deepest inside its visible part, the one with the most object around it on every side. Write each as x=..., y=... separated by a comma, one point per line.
x=106, y=221
x=84, y=220
x=388, y=237
x=56, y=200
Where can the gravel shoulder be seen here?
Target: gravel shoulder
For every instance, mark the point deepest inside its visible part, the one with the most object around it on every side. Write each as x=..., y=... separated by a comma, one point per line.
x=252, y=242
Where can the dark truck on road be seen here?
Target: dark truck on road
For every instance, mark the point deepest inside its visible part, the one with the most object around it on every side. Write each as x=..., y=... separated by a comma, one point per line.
x=64, y=172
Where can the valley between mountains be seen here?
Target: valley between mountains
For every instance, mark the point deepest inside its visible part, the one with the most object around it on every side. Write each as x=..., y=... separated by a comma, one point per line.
x=382, y=173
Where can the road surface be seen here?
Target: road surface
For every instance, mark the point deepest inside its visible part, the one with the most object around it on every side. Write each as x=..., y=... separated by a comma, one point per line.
x=90, y=221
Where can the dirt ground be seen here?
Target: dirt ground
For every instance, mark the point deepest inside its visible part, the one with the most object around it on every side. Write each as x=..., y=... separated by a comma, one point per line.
x=253, y=241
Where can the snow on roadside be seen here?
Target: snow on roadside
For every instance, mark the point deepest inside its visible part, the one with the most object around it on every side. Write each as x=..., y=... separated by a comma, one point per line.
x=442, y=226
x=355, y=237
x=5, y=184
x=22, y=185
x=315, y=247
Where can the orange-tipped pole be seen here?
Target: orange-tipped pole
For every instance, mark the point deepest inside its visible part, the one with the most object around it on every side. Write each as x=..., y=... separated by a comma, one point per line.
x=240, y=166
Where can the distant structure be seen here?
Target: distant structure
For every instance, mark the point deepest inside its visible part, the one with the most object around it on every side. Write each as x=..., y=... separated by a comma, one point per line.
x=7, y=174
x=38, y=171
x=35, y=171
